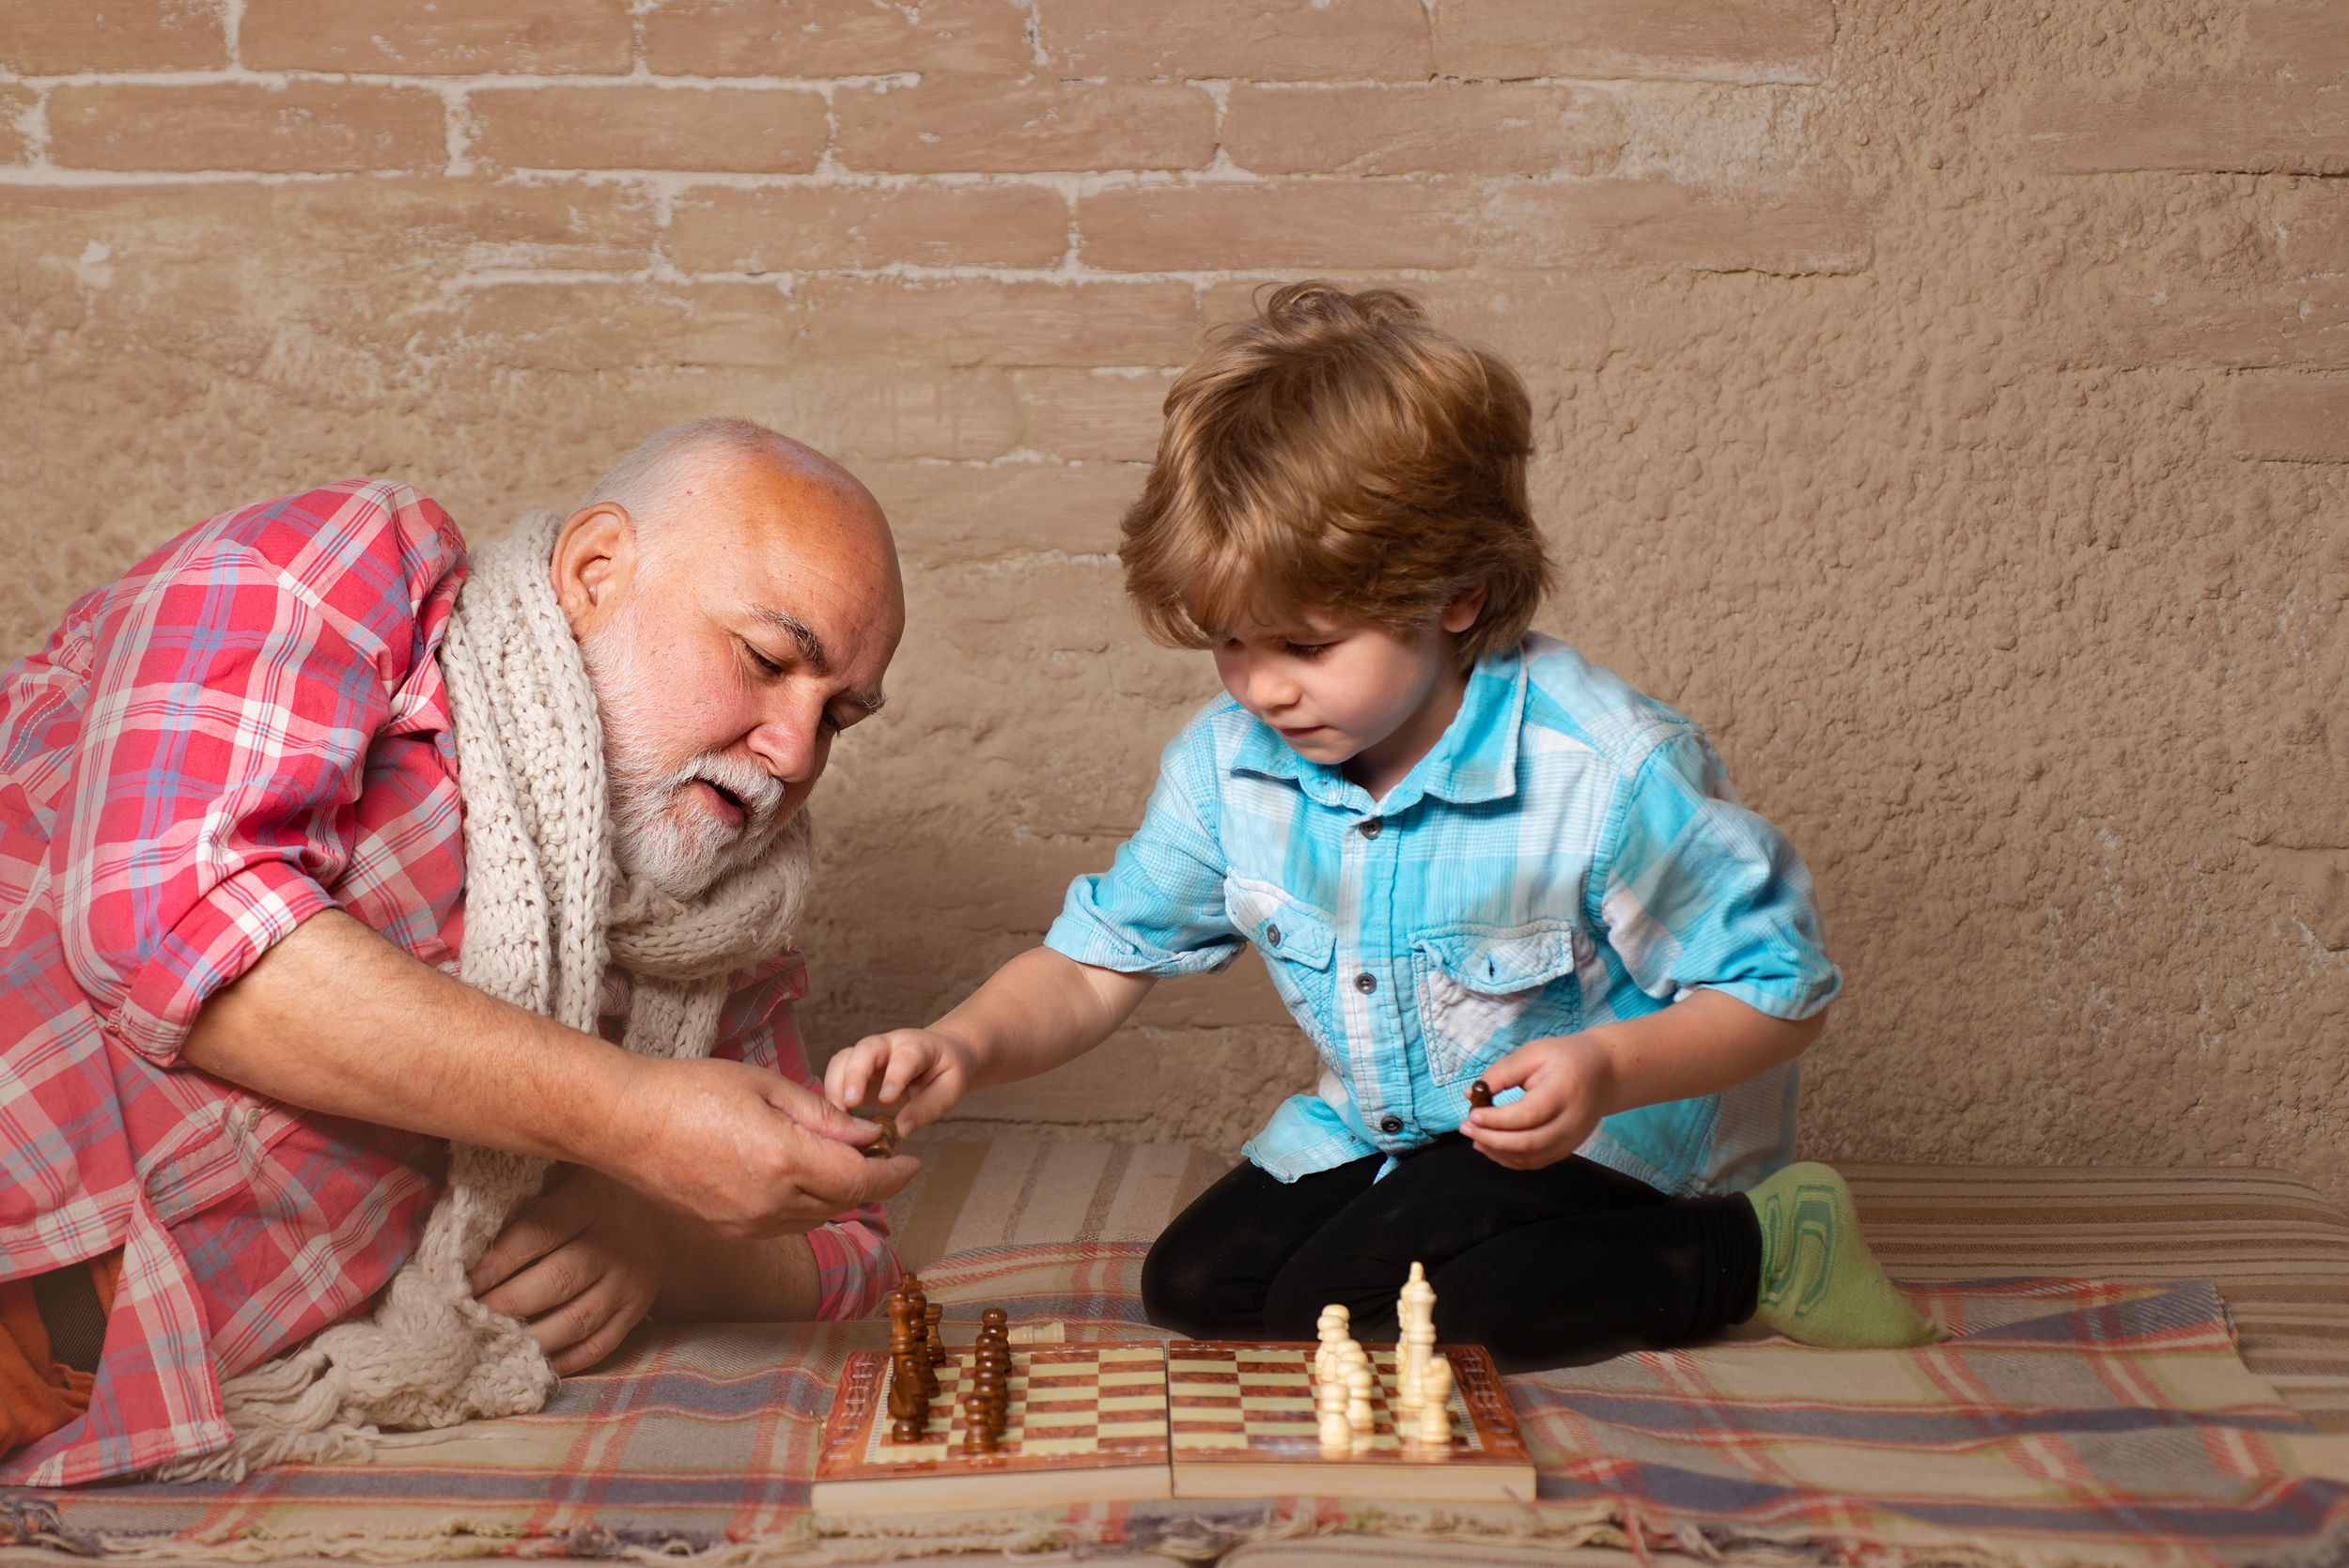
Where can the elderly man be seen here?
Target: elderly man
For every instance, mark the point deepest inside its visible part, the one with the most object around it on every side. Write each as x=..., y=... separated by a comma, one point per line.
x=331, y=895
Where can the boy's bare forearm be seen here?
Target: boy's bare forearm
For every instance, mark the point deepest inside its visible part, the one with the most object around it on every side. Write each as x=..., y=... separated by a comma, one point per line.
x=1038, y=1011
x=1701, y=1044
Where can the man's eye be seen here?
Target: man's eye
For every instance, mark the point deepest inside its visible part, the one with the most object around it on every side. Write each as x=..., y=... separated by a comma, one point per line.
x=764, y=665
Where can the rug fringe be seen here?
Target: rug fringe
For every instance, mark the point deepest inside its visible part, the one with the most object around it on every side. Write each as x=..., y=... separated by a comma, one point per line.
x=1037, y=1535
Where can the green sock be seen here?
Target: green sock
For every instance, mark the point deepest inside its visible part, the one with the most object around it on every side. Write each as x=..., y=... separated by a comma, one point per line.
x=1819, y=1283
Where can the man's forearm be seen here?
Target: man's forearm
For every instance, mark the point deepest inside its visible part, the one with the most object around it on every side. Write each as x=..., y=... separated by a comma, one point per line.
x=712, y=1281
x=336, y=1019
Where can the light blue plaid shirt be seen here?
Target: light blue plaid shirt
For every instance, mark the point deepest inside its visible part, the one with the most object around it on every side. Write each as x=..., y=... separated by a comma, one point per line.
x=1570, y=852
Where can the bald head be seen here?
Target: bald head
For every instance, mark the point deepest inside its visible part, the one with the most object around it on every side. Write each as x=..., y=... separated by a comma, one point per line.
x=737, y=598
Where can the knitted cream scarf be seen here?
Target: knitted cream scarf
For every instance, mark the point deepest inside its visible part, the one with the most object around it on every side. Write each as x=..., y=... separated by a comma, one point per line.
x=546, y=908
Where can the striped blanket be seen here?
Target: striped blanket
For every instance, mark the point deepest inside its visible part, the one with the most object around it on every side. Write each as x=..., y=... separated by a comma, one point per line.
x=2070, y=1420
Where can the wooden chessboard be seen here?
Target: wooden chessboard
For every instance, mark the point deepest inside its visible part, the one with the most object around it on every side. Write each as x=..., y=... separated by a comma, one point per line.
x=1129, y=1420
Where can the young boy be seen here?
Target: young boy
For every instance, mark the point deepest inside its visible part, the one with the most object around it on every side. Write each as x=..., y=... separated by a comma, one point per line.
x=1465, y=853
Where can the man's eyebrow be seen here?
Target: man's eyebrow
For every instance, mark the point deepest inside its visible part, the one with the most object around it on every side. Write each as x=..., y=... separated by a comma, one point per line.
x=812, y=651
x=810, y=648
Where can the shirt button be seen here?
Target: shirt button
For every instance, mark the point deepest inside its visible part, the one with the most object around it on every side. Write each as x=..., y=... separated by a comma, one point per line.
x=1370, y=829
x=1272, y=935
x=1365, y=983
x=1391, y=1126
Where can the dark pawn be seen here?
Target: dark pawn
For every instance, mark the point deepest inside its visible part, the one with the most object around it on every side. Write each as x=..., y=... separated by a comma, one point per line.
x=935, y=1333
x=977, y=1436
x=1480, y=1095
x=908, y=1402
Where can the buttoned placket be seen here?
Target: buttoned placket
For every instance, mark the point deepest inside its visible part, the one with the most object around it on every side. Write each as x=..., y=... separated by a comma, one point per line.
x=1371, y=987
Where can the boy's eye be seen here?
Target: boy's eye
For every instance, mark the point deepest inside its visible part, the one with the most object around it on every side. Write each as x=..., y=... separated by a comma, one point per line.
x=1308, y=650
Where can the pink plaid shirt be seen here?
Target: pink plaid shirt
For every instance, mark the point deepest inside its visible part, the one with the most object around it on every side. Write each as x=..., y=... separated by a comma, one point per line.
x=247, y=728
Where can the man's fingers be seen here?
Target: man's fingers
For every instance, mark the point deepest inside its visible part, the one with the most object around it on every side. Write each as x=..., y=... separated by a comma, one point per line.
x=560, y=1275
x=542, y=1228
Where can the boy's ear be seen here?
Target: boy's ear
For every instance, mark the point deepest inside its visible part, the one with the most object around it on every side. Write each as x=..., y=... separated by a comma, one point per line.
x=1466, y=606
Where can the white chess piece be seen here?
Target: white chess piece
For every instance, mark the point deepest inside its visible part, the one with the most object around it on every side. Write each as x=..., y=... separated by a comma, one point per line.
x=1435, y=1416
x=1331, y=1327
x=1358, y=1411
x=1330, y=1402
x=1415, y=1313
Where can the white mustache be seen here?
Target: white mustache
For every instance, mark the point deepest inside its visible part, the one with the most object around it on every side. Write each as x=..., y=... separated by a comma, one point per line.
x=759, y=791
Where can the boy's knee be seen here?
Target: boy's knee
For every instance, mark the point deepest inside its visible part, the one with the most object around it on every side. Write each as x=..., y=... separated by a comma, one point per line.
x=1180, y=1288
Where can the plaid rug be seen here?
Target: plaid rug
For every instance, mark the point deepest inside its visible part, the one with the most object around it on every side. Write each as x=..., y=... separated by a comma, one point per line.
x=2069, y=1421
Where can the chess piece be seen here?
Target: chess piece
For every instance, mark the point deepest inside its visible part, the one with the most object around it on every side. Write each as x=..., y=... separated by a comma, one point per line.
x=909, y=1406
x=1435, y=1416
x=1329, y=1404
x=919, y=1316
x=1359, y=1415
x=977, y=1436
x=1331, y=1327
x=1415, y=1310
x=908, y=1401
x=933, y=1333
x=886, y=1144
x=997, y=1319
x=1480, y=1095
x=1053, y=1330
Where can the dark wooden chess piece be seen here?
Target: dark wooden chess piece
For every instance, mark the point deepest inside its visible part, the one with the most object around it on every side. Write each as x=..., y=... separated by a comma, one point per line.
x=908, y=1401
x=935, y=1332
x=919, y=1316
x=1480, y=1095
x=977, y=1436
x=886, y=1144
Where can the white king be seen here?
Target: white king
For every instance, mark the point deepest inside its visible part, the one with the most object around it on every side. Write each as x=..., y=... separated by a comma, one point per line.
x=1415, y=1312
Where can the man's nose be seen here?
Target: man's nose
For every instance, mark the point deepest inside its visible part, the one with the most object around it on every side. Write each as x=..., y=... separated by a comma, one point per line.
x=786, y=742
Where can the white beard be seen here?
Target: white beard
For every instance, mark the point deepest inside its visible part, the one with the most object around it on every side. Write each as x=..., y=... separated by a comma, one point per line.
x=679, y=848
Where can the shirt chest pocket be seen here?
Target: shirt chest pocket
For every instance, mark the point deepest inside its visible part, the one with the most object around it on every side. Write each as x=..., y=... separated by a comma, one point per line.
x=1482, y=993
x=1280, y=926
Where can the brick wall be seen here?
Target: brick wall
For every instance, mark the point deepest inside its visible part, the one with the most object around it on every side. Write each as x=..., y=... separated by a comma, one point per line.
x=1942, y=400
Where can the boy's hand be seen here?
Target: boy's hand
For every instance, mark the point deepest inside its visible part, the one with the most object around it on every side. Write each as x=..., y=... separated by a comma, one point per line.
x=1569, y=1084
x=919, y=1072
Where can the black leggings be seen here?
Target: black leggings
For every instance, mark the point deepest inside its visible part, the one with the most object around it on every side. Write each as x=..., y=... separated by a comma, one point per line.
x=1568, y=1264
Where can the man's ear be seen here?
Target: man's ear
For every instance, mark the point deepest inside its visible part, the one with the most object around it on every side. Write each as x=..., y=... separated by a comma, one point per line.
x=1465, y=607
x=594, y=562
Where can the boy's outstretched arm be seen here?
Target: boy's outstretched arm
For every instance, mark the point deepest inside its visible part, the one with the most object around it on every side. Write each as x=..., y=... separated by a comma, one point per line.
x=1700, y=1044
x=1036, y=1012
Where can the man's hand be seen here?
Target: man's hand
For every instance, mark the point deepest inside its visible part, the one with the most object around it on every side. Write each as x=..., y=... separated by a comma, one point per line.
x=745, y=1151
x=582, y=1265
x=920, y=1070
x=1569, y=1084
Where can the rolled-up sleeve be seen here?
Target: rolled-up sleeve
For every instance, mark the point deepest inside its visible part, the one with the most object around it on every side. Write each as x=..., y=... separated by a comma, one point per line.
x=1698, y=892
x=1159, y=909
x=234, y=699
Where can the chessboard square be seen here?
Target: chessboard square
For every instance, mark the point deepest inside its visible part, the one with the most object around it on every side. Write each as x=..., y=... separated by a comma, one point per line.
x=1133, y=1402
x=1134, y=1426
x=1278, y=1402
x=1210, y=1440
x=1147, y=1377
x=1040, y=1447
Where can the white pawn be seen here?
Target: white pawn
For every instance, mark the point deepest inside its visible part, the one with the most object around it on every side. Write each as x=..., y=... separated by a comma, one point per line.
x=1332, y=1328
x=1330, y=1402
x=1358, y=1412
x=1435, y=1416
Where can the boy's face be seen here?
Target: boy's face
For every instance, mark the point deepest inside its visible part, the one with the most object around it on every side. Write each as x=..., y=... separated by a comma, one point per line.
x=1349, y=694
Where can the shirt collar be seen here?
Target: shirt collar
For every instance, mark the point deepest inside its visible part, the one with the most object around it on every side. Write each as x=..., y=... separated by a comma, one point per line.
x=1476, y=760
